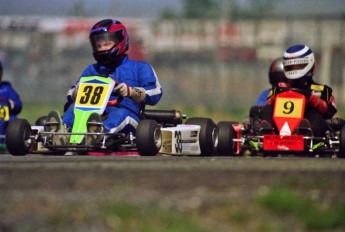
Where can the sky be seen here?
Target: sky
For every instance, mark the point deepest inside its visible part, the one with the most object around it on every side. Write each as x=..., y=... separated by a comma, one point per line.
x=152, y=8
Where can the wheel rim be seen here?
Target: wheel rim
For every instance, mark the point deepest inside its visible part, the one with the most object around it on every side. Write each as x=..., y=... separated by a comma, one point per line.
x=27, y=137
x=157, y=137
x=215, y=138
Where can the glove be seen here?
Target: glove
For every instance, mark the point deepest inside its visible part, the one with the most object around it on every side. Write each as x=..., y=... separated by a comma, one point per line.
x=75, y=92
x=72, y=93
x=11, y=104
x=317, y=103
x=123, y=90
x=137, y=94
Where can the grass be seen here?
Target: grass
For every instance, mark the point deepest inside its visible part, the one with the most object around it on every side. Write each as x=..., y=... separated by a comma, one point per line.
x=279, y=209
x=312, y=214
x=32, y=111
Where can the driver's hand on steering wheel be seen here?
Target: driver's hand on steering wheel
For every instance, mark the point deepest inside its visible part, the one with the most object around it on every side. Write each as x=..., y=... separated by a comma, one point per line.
x=137, y=94
x=122, y=89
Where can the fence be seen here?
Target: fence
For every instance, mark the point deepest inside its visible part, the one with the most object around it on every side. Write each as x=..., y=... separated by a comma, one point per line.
x=214, y=64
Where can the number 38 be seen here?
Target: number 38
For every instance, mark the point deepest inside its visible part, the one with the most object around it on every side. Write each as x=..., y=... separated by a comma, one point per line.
x=91, y=95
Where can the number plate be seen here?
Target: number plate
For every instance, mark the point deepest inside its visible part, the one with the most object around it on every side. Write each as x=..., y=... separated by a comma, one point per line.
x=4, y=113
x=288, y=111
x=93, y=95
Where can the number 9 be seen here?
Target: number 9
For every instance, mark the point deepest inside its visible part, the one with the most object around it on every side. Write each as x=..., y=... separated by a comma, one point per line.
x=289, y=107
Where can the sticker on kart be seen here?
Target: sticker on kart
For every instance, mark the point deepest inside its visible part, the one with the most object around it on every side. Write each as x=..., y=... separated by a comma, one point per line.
x=183, y=139
x=4, y=113
x=92, y=94
x=283, y=143
x=288, y=111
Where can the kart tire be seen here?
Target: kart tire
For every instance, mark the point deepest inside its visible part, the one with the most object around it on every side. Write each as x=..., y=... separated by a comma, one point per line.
x=225, y=134
x=18, y=137
x=41, y=121
x=148, y=137
x=207, y=134
x=342, y=143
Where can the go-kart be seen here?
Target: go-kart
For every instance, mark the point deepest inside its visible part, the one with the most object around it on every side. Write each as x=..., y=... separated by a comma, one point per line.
x=159, y=131
x=288, y=135
x=4, y=120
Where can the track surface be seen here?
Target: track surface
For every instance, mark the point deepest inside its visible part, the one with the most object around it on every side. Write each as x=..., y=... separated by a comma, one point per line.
x=33, y=185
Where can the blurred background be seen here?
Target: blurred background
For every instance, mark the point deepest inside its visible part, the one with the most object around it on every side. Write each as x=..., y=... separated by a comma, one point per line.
x=211, y=56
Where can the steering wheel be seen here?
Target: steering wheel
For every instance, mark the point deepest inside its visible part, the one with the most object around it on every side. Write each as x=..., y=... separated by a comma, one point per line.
x=117, y=100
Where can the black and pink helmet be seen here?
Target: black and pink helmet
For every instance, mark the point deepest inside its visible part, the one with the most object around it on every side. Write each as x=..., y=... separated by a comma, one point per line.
x=276, y=72
x=109, y=29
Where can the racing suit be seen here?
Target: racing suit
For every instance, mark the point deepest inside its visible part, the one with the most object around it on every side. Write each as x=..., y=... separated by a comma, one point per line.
x=319, y=107
x=125, y=116
x=10, y=106
x=261, y=100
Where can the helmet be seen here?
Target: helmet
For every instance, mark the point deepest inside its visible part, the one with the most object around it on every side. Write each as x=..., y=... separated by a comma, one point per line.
x=109, y=30
x=299, y=63
x=276, y=72
x=0, y=71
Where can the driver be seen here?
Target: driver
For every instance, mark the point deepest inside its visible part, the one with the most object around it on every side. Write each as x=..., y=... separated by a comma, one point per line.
x=299, y=67
x=138, y=83
x=275, y=75
x=10, y=105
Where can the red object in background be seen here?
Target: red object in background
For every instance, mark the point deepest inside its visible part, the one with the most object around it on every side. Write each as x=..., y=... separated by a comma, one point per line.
x=135, y=51
x=76, y=26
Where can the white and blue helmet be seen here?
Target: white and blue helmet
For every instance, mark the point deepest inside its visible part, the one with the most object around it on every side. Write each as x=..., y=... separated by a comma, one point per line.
x=299, y=62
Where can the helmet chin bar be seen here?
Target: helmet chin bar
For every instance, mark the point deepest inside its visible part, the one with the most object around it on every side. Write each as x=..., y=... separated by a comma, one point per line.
x=109, y=61
x=107, y=57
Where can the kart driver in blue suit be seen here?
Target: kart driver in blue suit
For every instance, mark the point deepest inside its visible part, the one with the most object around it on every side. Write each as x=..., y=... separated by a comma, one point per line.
x=10, y=104
x=137, y=80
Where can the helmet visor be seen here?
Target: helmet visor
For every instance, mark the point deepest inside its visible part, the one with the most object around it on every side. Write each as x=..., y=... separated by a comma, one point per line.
x=294, y=67
x=103, y=42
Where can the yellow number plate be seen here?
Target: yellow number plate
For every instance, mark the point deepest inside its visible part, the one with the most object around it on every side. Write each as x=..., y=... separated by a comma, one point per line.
x=4, y=113
x=289, y=107
x=91, y=95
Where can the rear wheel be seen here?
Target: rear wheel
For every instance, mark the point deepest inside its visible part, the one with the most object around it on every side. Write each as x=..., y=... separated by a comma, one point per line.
x=18, y=137
x=41, y=121
x=342, y=143
x=207, y=134
x=148, y=137
x=225, y=134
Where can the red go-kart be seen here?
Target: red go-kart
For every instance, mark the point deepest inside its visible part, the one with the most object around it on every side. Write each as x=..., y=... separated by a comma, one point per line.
x=290, y=134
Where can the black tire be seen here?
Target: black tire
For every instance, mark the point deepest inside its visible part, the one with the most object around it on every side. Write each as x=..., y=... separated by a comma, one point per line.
x=148, y=137
x=18, y=134
x=207, y=134
x=41, y=121
x=342, y=143
x=225, y=135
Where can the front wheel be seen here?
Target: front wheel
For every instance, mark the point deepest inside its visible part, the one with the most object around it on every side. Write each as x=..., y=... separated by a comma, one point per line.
x=207, y=134
x=18, y=137
x=342, y=143
x=148, y=137
x=225, y=134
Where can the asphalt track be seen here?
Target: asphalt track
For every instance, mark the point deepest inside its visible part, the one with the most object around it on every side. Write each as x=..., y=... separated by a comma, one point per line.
x=36, y=188
x=131, y=160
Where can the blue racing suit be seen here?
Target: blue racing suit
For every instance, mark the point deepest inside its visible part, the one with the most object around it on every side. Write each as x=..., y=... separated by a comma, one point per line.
x=10, y=106
x=125, y=116
x=261, y=101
